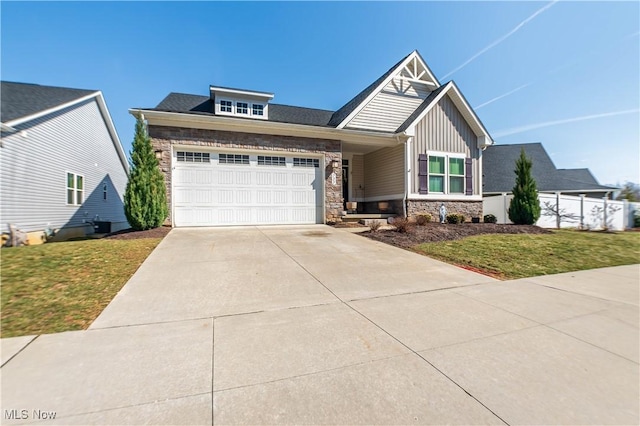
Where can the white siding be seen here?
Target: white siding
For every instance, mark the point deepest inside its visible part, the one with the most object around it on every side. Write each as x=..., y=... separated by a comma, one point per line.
x=34, y=166
x=391, y=107
x=383, y=172
x=444, y=129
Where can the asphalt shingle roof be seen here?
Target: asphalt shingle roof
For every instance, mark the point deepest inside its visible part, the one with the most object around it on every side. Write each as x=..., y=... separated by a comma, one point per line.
x=23, y=99
x=498, y=164
x=195, y=104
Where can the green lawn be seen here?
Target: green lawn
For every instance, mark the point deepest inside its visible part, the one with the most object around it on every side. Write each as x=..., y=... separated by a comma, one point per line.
x=519, y=256
x=64, y=286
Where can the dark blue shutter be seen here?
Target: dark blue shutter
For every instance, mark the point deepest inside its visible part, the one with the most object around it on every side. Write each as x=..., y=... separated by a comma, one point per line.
x=423, y=174
x=468, y=176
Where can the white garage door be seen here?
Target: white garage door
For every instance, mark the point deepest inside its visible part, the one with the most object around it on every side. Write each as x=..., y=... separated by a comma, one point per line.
x=213, y=189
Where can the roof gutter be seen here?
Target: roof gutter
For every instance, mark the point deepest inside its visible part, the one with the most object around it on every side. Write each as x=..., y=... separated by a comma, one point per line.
x=361, y=137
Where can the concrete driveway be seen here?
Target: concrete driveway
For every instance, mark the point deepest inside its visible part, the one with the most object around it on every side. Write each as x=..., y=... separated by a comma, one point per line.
x=313, y=325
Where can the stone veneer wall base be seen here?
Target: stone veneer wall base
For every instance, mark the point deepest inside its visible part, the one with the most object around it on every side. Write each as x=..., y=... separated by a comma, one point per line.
x=468, y=208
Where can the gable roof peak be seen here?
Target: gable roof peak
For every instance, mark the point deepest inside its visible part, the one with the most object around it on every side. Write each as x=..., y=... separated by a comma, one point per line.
x=414, y=68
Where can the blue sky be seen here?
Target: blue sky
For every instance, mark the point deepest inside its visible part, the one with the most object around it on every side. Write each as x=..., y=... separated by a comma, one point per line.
x=562, y=73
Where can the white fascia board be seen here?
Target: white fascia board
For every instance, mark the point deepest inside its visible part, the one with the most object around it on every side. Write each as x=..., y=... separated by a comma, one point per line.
x=466, y=111
x=42, y=113
x=112, y=131
x=241, y=92
x=382, y=85
x=231, y=124
x=475, y=123
x=7, y=129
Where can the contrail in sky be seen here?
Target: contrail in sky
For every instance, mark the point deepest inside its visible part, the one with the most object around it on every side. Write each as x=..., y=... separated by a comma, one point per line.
x=521, y=129
x=576, y=60
x=501, y=39
x=502, y=96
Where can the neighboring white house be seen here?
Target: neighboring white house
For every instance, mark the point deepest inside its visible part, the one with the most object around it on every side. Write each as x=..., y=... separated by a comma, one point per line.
x=63, y=166
x=403, y=145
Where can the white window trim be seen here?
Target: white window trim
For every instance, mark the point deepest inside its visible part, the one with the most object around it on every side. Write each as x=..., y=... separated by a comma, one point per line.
x=234, y=108
x=447, y=156
x=74, y=189
x=264, y=108
x=241, y=114
x=220, y=111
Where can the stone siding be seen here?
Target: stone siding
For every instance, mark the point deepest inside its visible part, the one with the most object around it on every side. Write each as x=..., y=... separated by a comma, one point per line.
x=163, y=137
x=468, y=208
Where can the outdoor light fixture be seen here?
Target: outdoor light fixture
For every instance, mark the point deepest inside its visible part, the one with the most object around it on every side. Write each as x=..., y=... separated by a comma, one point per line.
x=159, y=154
x=335, y=164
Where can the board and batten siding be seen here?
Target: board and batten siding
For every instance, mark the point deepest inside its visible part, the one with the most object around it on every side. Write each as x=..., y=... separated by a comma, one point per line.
x=444, y=129
x=383, y=172
x=35, y=165
x=391, y=107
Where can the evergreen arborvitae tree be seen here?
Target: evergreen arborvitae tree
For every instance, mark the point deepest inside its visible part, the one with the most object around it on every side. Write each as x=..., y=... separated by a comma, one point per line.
x=145, y=202
x=524, y=208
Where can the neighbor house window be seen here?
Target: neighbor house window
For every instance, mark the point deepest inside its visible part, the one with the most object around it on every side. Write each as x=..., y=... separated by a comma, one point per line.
x=257, y=109
x=226, y=106
x=242, y=108
x=446, y=174
x=193, y=157
x=264, y=160
x=75, y=189
x=233, y=159
x=104, y=191
x=306, y=162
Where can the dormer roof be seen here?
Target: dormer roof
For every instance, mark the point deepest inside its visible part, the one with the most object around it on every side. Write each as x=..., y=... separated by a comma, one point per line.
x=240, y=93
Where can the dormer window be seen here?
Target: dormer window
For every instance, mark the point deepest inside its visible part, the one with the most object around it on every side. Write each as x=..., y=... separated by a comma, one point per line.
x=257, y=109
x=240, y=102
x=242, y=108
x=226, y=106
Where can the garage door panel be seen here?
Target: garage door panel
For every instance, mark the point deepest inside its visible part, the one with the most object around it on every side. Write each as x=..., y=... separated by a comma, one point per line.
x=210, y=194
x=280, y=179
x=242, y=178
x=225, y=196
x=263, y=197
x=279, y=197
x=203, y=177
x=225, y=177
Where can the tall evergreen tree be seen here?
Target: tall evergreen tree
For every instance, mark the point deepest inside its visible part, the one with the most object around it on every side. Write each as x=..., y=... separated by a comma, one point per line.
x=524, y=208
x=145, y=202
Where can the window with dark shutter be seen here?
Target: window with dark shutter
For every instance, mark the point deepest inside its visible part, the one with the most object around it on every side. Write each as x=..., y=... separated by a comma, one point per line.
x=423, y=174
x=468, y=176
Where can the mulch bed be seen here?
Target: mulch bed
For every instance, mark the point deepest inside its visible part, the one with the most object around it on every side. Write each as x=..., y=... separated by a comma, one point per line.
x=130, y=234
x=433, y=232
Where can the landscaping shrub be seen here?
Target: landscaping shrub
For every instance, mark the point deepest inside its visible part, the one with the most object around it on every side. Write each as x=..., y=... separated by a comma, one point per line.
x=489, y=218
x=375, y=225
x=524, y=208
x=423, y=219
x=636, y=219
x=145, y=200
x=455, y=218
x=401, y=224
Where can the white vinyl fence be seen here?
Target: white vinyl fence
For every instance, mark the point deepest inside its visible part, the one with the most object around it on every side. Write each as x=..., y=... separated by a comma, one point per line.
x=566, y=211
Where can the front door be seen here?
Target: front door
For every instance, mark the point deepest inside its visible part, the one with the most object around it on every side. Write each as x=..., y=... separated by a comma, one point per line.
x=345, y=183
